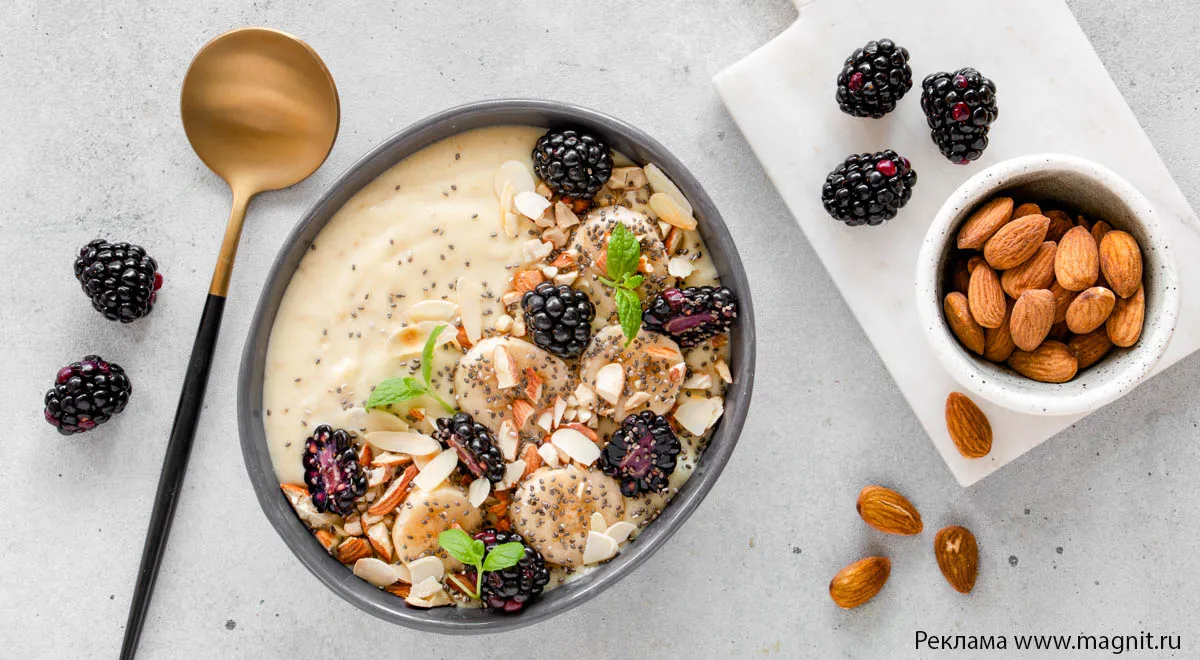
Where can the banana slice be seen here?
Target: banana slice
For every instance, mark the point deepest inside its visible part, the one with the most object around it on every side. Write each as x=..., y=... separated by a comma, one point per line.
x=552, y=509
x=425, y=514
x=653, y=366
x=479, y=393
x=590, y=242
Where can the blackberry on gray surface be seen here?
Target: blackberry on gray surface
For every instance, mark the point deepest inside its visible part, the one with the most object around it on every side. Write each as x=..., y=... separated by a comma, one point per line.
x=511, y=589
x=869, y=189
x=332, y=472
x=559, y=318
x=86, y=394
x=573, y=163
x=121, y=279
x=691, y=315
x=960, y=108
x=641, y=454
x=873, y=79
x=478, y=455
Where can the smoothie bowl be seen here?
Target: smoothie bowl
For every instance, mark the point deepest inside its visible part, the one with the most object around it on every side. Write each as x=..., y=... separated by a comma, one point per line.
x=496, y=366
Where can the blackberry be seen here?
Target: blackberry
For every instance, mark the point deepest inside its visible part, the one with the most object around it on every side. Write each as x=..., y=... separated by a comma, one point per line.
x=869, y=189
x=874, y=78
x=511, y=589
x=86, y=394
x=641, y=454
x=121, y=279
x=960, y=108
x=691, y=315
x=332, y=472
x=478, y=455
x=573, y=163
x=559, y=318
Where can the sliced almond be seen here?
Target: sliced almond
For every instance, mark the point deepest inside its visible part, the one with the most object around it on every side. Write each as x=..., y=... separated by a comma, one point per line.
x=395, y=493
x=530, y=204
x=402, y=573
x=425, y=568
x=516, y=173
x=599, y=548
x=610, y=382
x=433, y=474
x=533, y=385
x=505, y=367
x=380, y=538
x=597, y=523
x=374, y=571
x=353, y=549
x=470, y=304
x=522, y=412
x=511, y=223
x=620, y=531
x=432, y=310
x=410, y=340
x=560, y=409
x=636, y=400
x=545, y=421
x=512, y=474
x=536, y=249
x=549, y=455
x=404, y=442
x=698, y=381
x=576, y=445
x=507, y=440
x=680, y=267
x=670, y=211
x=723, y=370
x=478, y=491
x=698, y=414
x=659, y=183
x=326, y=539
x=564, y=217
x=426, y=588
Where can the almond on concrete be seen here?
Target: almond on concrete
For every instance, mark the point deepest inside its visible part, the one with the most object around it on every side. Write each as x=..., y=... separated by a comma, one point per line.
x=1091, y=348
x=1036, y=273
x=1124, y=325
x=1026, y=209
x=1121, y=260
x=984, y=222
x=957, y=555
x=859, y=582
x=968, y=426
x=958, y=317
x=1032, y=316
x=1060, y=224
x=997, y=342
x=1077, y=261
x=985, y=297
x=888, y=511
x=1090, y=310
x=1016, y=242
x=1052, y=362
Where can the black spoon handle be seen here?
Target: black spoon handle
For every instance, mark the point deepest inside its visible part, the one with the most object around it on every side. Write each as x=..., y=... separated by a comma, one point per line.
x=170, y=482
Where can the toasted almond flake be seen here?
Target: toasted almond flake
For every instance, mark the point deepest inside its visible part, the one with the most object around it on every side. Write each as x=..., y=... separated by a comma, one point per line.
x=470, y=304
x=564, y=260
x=381, y=420
x=513, y=172
x=576, y=445
x=560, y=409
x=374, y=571
x=402, y=573
x=326, y=539
x=697, y=415
x=426, y=588
x=673, y=240
x=598, y=523
x=522, y=411
x=723, y=371
x=432, y=310
x=511, y=224
x=508, y=440
x=680, y=267
x=620, y=531
x=512, y=474
x=381, y=540
x=663, y=353
x=664, y=228
x=533, y=460
x=410, y=340
x=388, y=459
x=369, y=519
x=376, y=476
x=549, y=455
x=669, y=210
x=610, y=382
x=395, y=493
x=599, y=548
x=353, y=526
x=530, y=204
x=564, y=216
x=533, y=385
x=566, y=279
x=635, y=400
x=417, y=414
x=433, y=474
x=587, y=433
x=425, y=568
x=698, y=381
x=505, y=367
x=478, y=491
x=404, y=442
x=546, y=420
x=659, y=183
x=352, y=549
x=677, y=372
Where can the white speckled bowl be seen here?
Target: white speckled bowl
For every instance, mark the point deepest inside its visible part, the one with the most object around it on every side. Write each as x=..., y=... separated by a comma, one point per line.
x=1075, y=185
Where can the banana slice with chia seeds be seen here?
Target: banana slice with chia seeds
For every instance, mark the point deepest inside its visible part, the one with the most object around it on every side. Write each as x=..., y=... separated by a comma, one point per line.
x=552, y=509
x=425, y=514
x=652, y=369
x=478, y=389
x=590, y=243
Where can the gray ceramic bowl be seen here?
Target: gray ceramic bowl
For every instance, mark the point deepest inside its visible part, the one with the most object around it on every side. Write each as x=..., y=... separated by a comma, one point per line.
x=621, y=136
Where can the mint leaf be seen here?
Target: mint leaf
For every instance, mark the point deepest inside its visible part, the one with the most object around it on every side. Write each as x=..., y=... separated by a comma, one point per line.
x=629, y=310
x=503, y=556
x=427, y=356
x=623, y=253
x=395, y=390
x=632, y=282
x=461, y=546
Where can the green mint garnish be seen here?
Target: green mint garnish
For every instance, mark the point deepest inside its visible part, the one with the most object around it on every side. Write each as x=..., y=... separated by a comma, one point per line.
x=406, y=388
x=472, y=552
x=624, y=252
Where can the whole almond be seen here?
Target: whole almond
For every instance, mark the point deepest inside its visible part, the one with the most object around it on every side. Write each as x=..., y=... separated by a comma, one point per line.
x=957, y=555
x=1077, y=262
x=959, y=278
x=985, y=297
x=1091, y=348
x=1026, y=209
x=1052, y=362
x=888, y=511
x=975, y=261
x=859, y=582
x=984, y=222
x=1124, y=325
x=997, y=342
x=1062, y=300
x=1037, y=273
x=1081, y=221
x=1090, y=310
x=968, y=426
x=1032, y=316
x=1060, y=224
x=1016, y=242
x=1059, y=332
x=1121, y=260
x=958, y=317
x=1099, y=230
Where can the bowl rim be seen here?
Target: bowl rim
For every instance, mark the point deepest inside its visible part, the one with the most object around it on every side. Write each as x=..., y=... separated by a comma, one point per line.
x=392, y=150
x=1043, y=398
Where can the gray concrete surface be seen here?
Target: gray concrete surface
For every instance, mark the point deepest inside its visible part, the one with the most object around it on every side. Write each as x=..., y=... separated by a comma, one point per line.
x=1095, y=531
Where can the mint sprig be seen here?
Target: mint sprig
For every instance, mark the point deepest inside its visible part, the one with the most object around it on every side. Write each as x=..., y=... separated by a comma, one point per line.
x=624, y=252
x=405, y=388
x=473, y=552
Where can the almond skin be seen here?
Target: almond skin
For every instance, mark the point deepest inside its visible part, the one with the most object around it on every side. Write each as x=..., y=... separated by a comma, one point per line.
x=1060, y=224
x=1077, y=261
x=1037, y=273
x=968, y=426
x=984, y=222
x=958, y=317
x=1090, y=310
x=1052, y=362
x=1099, y=230
x=353, y=549
x=1026, y=209
x=1091, y=348
x=889, y=511
x=985, y=297
x=1121, y=260
x=957, y=555
x=1032, y=316
x=997, y=342
x=1016, y=242
x=859, y=582
x=1124, y=325
x=1062, y=301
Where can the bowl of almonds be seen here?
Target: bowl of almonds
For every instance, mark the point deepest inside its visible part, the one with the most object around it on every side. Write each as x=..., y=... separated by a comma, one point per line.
x=1046, y=285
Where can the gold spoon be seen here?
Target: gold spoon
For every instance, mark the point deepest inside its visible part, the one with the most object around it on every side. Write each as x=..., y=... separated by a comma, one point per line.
x=261, y=111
